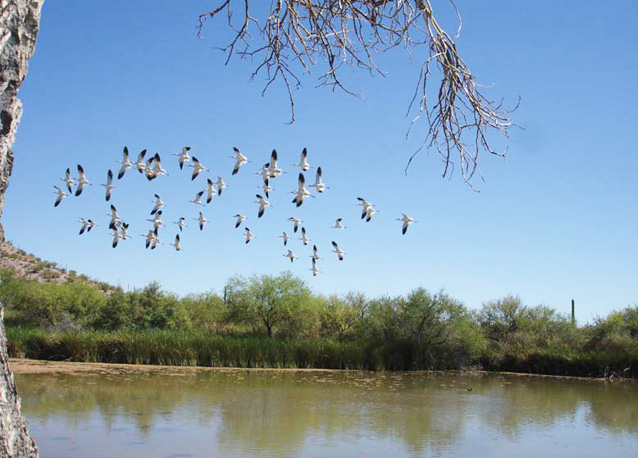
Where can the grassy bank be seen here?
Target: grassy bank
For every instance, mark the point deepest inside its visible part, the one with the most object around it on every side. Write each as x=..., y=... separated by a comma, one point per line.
x=187, y=348
x=191, y=348
x=596, y=363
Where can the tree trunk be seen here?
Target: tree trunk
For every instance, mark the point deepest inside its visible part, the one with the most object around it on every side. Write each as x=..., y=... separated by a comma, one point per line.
x=19, y=23
x=15, y=441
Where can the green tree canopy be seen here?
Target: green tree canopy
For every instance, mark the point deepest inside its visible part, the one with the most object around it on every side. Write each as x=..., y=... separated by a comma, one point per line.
x=267, y=301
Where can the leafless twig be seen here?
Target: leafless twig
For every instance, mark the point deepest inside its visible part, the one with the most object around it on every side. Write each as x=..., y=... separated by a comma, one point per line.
x=296, y=35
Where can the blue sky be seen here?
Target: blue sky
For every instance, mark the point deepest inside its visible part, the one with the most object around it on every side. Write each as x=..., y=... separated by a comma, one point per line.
x=556, y=219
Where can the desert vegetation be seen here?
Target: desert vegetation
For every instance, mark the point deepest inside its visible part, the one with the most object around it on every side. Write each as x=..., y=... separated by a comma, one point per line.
x=277, y=321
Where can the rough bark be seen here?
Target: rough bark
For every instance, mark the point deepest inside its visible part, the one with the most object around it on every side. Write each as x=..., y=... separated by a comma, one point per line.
x=15, y=441
x=19, y=24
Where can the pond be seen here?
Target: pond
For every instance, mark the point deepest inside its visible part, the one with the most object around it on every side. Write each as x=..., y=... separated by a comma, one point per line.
x=216, y=413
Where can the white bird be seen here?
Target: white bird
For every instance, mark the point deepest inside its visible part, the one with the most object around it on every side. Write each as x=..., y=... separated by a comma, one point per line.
x=304, y=161
x=126, y=164
x=319, y=185
x=156, y=240
x=211, y=190
x=338, y=224
x=220, y=185
x=365, y=204
x=202, y=221
x=302, y=192
x=109, y=184
x=304, y=238
x=198, y=198
x=265, y=172
x=154, y=167
x=61, y=195
x=406, y=222
x=150, y=237
x=249, y=235
x=139, y=164
x=159, y=203
x=181, y=223
x=114, y=217
x=82, y=181
x=148, y=168
x=338, y=250
x=368, y=209
x=298, y=200
x=116, y=237
x=290, y=255
x=240, y=219
x=296, y=223
x=183, y=156
x=286, y=237
x=198, y=167
x=263, y=203
x=157, y=220
x=123, y=227
x=369, y=212
x=68, y=180
x=177, y=245
x=301, y=186
x=315, y=254
x=240, y=160
x=266, y=188
x=314, y=269
x=157, y=166
x=273, y=170
x=87, y=225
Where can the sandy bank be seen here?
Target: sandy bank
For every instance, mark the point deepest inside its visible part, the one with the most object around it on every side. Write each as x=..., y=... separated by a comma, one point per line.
x=32, y=366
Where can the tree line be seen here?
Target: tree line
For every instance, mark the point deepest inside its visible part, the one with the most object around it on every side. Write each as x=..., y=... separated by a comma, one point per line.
x=418, y=330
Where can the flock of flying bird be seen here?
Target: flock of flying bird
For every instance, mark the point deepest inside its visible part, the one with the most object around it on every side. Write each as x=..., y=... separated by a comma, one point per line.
x=152, y=168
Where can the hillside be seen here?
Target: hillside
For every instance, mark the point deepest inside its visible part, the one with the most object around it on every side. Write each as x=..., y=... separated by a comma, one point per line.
x=29, y=267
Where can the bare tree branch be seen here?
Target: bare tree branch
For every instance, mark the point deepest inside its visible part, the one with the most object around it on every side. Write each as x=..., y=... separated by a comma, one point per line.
x=296, y=35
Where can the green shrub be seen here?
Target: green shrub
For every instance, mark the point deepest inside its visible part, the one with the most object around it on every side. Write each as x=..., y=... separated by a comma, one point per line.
x=275, y=304
x=275, y=321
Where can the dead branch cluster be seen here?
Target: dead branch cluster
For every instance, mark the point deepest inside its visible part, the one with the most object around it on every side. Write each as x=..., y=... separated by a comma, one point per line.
x=287, y=37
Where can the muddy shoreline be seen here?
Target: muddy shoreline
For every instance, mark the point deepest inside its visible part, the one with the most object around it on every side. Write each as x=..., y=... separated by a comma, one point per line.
x=32, y=366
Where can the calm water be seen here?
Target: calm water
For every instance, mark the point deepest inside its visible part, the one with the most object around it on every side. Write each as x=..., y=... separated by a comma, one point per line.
x=241, y=414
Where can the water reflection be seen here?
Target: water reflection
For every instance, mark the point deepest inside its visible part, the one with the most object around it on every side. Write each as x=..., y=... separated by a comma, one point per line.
x=283, y=413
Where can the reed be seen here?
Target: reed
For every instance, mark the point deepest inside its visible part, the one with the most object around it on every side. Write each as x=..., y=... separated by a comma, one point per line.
x=184, y=348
